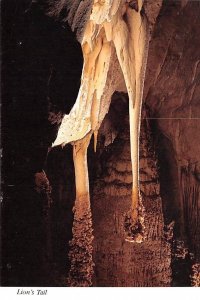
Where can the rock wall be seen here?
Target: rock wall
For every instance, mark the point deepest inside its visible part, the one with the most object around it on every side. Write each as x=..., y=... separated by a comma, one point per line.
x=172, y=95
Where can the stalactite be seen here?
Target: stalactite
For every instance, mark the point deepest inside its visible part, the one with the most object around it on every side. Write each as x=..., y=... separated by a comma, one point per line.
x=119, y=25
x=127, y=28
x=131, y=43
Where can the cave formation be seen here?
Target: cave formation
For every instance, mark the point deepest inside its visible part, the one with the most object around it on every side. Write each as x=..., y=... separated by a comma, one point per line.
x=113, y=27
x=124, y=166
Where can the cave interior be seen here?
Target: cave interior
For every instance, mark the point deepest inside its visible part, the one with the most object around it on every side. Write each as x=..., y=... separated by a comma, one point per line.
x=41, y=74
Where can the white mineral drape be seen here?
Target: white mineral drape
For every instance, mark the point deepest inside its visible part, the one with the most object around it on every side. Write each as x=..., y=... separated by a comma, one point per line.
x=112, y=25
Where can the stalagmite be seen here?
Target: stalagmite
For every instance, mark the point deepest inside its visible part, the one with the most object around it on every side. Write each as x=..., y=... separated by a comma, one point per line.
x=114, y=25
x=81, y=270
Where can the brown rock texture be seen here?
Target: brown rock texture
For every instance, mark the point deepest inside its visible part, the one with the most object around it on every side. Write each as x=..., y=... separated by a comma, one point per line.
x=80, y=254
x=195, y=277
x=172, y=95
x=117, y=262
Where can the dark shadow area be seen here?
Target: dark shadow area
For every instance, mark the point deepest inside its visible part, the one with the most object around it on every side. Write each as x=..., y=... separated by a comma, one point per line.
x=169, y=181
x=41, y=70
x=60, y=171
x=171, y=201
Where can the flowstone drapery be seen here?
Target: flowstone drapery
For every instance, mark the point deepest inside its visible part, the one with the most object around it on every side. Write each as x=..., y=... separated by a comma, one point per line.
x=118, y=28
